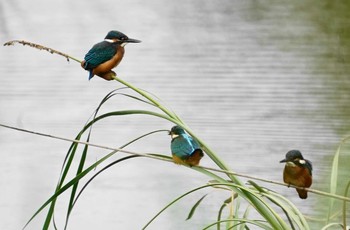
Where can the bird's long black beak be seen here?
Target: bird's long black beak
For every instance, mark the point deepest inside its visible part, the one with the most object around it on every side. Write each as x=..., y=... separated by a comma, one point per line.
x=131, y=40
x=284, y=160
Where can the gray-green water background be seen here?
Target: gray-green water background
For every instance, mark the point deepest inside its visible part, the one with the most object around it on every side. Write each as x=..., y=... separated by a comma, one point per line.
x=253, y=79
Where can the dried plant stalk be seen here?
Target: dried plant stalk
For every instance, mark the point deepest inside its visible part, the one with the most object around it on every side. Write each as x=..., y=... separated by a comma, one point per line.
x=41, y=47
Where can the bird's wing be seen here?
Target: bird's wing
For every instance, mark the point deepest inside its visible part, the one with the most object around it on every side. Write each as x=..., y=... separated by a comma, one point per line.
x=98, y=54
x=309, y=166
x=181, y=146
x=194, y=143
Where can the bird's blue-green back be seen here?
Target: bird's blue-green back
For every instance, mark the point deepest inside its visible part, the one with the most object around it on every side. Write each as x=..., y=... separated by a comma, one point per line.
x=183, y=146
x=98, y=54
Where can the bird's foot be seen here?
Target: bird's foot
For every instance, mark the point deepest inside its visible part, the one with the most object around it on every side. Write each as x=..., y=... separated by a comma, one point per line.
x=108, y=76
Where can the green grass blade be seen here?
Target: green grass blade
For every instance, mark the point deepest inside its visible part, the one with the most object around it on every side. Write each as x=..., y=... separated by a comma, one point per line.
x=257, y=223
x=290, y=210
x=245, y=216
x=80, y=169
x=219, y=216
x=125, y=145
x=195, y=206
x=237, y=188
x=344, y=204
x=333, y=181
x=59, y=190
x=65, y=187
x=90, y=180
x=64, y=171
x=328, y=226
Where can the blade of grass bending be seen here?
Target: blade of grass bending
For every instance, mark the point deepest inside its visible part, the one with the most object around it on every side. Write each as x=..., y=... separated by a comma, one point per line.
x=125, y=145
x=102, y=170
x=265, y=192
x=220, y=214
x=261, y=206
x=183, y=195
x=136, y=98
x=88, y=125
x=292, y=214
x=241, y=220
x=78, y=177
x=297, y=212
x=79, y=170
x=84, y=153
x=333, y=225
x=290, y=210
x=65, y=168
x=334, y=176
x=195, y=206
x=272, y=217
x=51, y=209
x=148, y=97
x=225, y=203
x=279, y=222
x=90, y=180
x=233, y=213
x=67, y=186
x=245, y=216
x=333, y=180
x=344, y=204
x=105, y=168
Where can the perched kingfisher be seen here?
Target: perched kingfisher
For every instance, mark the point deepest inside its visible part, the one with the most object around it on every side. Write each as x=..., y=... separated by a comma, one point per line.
x=297, y=171
x=184, y=148
x=104, y=56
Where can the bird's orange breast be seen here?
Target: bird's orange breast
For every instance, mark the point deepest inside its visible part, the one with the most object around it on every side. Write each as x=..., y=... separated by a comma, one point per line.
x=297, y=176
x=104, y=70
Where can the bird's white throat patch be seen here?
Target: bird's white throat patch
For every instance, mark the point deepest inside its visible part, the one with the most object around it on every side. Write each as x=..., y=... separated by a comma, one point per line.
x=290, y=164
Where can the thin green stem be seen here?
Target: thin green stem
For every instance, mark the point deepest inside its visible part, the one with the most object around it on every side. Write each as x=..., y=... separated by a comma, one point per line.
x=148, y=97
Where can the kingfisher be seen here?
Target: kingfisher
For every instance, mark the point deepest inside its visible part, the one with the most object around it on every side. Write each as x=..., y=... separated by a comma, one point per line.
x=105, y=55
x=185, y=150
x=297, y=171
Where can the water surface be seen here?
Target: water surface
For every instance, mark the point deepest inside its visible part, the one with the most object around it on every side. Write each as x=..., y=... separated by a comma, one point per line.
x=252, y=79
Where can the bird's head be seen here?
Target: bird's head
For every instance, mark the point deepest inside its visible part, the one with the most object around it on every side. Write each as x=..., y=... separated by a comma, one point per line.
x=176, y=131
x=116, y=36
x=294, y=157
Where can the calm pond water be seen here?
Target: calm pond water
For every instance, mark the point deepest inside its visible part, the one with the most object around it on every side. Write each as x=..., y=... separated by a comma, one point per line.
x=252, y=79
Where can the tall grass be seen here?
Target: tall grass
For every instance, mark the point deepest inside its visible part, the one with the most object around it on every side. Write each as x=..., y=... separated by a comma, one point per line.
x=257, y=197
x=273, y=210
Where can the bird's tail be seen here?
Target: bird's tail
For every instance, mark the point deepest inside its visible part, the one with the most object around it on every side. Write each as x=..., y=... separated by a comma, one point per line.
x=302, y=193
x=195, y=157
x=90, y=74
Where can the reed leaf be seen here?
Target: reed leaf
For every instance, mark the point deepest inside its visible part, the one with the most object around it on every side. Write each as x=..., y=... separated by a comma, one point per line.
x=334, y=176
x=344, y=204
x=195, y=206
x=258, y=223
